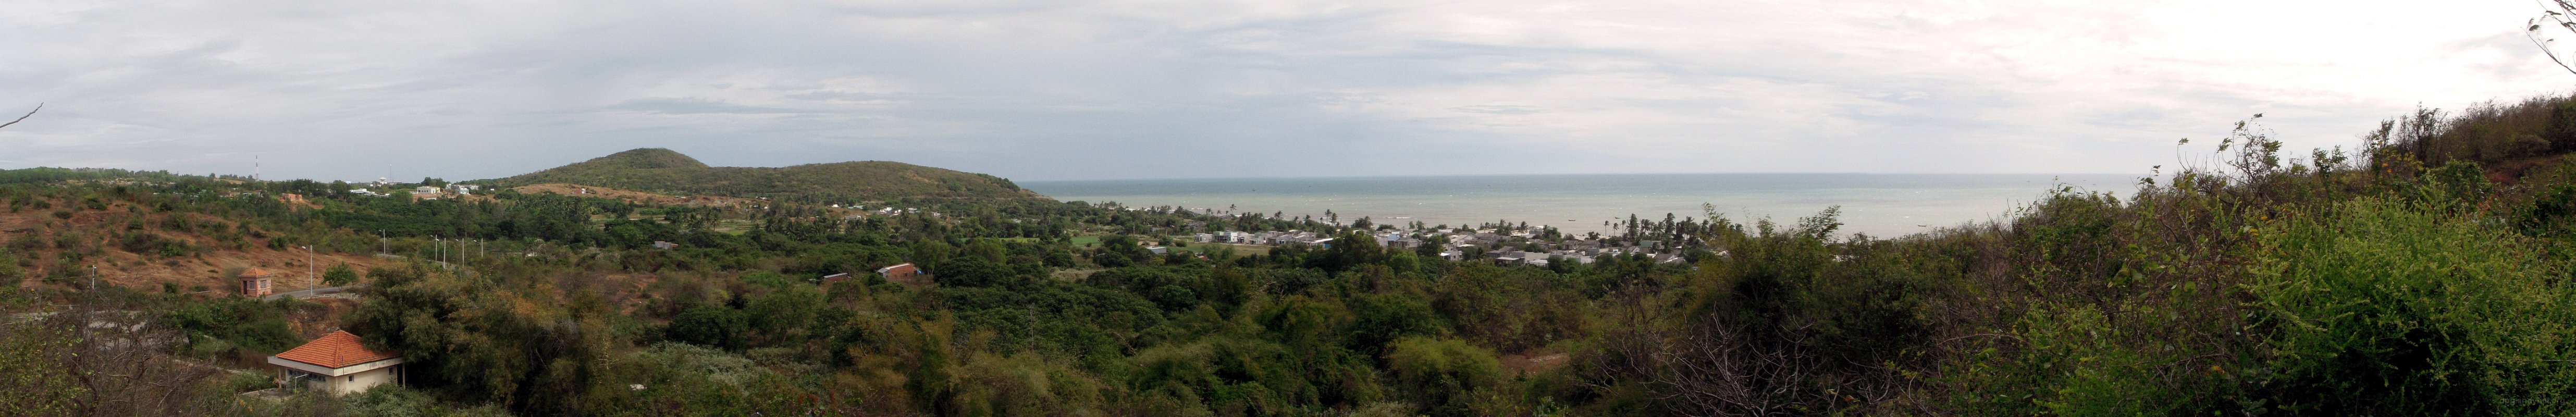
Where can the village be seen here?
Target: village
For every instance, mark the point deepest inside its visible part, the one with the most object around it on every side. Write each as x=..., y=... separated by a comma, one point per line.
x=1539, y=248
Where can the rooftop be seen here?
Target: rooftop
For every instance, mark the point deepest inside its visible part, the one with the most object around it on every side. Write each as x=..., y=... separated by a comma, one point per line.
x=336, y=350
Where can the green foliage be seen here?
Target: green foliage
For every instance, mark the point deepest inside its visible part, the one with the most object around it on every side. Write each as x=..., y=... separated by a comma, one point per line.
x=340, y=274
x=225, y=325
x=2382, y=308
x=1442, y=371
x=713, y=326
x=691, y=380
x=392, y=400
x=470, y=340
x=10, y=273
x=2072, y=361
x=31, y=382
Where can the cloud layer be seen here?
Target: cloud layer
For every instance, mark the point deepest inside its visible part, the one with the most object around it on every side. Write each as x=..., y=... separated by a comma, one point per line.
x=1152, y=89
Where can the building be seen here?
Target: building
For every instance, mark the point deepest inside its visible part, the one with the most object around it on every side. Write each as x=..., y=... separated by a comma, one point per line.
x=256, y=282
x=834, y=277
x=904, y=273
x=338, y=364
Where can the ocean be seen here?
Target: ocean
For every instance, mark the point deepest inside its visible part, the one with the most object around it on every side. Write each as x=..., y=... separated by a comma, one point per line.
x=1882, y=205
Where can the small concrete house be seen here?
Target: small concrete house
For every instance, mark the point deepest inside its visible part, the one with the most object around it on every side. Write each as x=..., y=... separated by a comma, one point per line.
x=903, y=273
x=256, y=282
x=337, y=364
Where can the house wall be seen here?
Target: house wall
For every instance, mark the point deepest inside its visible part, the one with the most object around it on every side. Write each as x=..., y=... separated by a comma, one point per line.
x=357, y=382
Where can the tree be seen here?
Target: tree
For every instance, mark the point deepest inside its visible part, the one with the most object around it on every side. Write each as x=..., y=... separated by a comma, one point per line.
x=339, y=275
x=712, y=326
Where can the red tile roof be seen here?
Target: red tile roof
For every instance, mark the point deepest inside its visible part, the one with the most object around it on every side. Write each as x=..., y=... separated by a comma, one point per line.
x=254, y=273
x=336, y=350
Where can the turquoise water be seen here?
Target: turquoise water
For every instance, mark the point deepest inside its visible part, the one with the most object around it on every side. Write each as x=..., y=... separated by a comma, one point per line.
x=1884, y=205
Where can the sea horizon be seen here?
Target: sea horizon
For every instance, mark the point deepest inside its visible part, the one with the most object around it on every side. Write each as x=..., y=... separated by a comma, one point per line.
x=1883, y=205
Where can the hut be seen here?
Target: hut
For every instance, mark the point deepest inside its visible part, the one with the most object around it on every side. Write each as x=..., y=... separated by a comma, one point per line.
x=255, y=282
x=338, y=364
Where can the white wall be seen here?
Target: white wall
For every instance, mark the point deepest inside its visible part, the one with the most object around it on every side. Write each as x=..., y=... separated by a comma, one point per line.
x=357, y=382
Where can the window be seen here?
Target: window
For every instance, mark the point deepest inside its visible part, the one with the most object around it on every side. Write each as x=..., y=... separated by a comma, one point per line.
x=353, y=378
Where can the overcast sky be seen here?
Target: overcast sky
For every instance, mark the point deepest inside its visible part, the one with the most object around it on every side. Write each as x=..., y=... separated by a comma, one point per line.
x=1052, y=90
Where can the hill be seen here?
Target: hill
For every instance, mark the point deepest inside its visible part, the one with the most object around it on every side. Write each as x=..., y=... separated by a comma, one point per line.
x=665, y=171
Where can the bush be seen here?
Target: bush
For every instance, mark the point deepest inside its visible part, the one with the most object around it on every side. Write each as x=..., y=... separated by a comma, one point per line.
x=339, y=275
x=230, y=324
x=1441, y=373
x=10, y=274
x=712, y=326
x=2381, y=308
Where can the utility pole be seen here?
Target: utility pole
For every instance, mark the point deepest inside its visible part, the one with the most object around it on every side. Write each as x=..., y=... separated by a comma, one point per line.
x=308, y=265
x=383, y=245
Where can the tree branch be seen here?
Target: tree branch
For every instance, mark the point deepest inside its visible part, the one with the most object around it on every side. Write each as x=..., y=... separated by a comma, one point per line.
x=2560, y=18
x=39, y=106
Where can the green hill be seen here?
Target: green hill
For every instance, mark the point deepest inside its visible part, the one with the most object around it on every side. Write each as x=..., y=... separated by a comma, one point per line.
x=665, y=171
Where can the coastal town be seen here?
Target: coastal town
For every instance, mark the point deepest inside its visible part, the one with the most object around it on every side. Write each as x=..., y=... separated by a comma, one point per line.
x=1539, y=248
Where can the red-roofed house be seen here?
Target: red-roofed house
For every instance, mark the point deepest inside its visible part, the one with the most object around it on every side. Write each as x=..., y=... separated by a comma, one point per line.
x=255, y=282
x=338, y=364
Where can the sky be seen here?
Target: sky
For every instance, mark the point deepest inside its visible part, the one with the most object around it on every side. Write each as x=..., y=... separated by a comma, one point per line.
x=1064, y=90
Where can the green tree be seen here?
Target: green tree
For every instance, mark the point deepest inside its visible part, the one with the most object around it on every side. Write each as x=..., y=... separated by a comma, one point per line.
x=339, y=275
x=10, y=274
x=31, y=382
x=1442, y=373
x=712, y=326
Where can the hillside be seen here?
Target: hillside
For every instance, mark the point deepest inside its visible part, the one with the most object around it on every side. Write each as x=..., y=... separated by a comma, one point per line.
x=664, y=171
x=57, y=241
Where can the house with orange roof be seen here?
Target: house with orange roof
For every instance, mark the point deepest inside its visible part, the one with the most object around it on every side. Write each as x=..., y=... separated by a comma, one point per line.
x=339, y=364
x=256, y=282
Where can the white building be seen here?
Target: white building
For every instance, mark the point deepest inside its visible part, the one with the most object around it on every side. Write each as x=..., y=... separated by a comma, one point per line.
x=337, y=364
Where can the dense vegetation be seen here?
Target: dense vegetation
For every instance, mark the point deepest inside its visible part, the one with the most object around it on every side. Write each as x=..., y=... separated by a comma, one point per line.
x=2423, y=274
x=664, y=171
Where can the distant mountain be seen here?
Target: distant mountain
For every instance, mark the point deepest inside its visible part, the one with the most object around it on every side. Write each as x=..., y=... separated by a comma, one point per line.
x=665, y=171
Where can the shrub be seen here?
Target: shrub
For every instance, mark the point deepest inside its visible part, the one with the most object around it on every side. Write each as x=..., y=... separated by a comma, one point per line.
x=339, y=275
x=712, y=326
x=10, y=274
x=1440, y=373
x=2382, y=308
